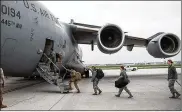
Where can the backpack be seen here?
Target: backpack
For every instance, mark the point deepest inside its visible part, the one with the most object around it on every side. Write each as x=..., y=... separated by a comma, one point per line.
x=100, y=74
x=78, y=76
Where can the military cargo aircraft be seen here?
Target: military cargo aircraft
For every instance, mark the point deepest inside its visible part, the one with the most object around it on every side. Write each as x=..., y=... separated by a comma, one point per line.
x=29, y=31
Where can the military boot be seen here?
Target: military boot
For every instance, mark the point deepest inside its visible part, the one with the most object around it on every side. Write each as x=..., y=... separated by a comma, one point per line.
x=173, y=96
x=3, y=106
x=131, y=96
x=177, y=95
x=117, y=95
x=78, y=91
x=95, y=92
x=100, y=91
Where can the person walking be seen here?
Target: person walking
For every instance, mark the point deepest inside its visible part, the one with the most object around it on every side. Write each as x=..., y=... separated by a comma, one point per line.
x=95, y=81
x=125, y=78
x=75, y=77
x=172, y=77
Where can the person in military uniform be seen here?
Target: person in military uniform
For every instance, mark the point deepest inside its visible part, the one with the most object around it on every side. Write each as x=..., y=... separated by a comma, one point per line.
x=53, y=59
x=58, y=61
x=2, y=81
x=75, y=77
x=59, y=57
x=95, y=81
x=172, y=77
x=125, y=77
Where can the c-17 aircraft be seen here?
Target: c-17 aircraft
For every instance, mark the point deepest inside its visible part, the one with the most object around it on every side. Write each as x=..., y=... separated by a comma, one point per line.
x=29, y=31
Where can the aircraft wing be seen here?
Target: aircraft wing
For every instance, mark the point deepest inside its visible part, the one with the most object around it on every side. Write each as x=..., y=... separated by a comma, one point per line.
x=86, y=34
x=111, y=38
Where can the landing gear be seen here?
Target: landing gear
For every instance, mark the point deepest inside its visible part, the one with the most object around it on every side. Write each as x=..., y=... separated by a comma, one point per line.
x=87, y=74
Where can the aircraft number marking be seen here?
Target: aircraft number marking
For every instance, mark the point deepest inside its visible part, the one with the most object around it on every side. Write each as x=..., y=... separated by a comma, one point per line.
x=11, y=23
x=10, y=11
x=6, y=22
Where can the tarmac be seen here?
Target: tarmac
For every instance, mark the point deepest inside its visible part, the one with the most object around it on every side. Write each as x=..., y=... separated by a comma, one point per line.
x=150, y=91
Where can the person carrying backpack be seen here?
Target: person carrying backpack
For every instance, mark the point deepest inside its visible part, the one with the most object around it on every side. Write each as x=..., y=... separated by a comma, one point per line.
x=95, y=81
x=75, y=77
x=124, y=81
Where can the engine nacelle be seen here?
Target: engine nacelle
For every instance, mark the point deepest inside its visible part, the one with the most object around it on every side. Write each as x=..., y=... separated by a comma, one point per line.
x=164, y=45
x=110, y=39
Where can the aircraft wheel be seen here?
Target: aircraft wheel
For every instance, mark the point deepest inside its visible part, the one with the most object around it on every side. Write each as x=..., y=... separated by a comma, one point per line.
x=83, y=75
x=26, y=77
x=87, y=75
x=32, y=77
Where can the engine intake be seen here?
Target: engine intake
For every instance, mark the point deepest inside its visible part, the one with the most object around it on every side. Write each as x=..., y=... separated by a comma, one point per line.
x=164, y=45
x=110, y=39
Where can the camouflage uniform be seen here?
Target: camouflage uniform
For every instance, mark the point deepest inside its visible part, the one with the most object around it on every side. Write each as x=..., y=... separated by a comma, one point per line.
x=95, y=81
x=75, y=77
x=1, y=83
x=172, y=77
x=123, y=74
x=59, y=57
x=53, y=59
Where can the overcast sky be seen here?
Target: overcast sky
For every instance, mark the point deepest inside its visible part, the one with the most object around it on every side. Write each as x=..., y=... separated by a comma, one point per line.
x=138, y=18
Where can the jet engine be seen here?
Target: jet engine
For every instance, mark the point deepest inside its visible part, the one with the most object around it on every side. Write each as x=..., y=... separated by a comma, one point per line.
x=164, y=45
x=110, y=39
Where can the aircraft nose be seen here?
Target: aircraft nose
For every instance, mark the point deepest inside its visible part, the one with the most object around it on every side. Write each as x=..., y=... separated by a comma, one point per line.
x=8, y=47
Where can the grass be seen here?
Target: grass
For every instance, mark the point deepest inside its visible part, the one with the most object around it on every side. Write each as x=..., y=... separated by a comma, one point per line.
x=138, y=66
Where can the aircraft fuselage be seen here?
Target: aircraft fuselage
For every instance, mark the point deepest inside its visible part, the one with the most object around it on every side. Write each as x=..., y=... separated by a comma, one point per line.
x=25, y=26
